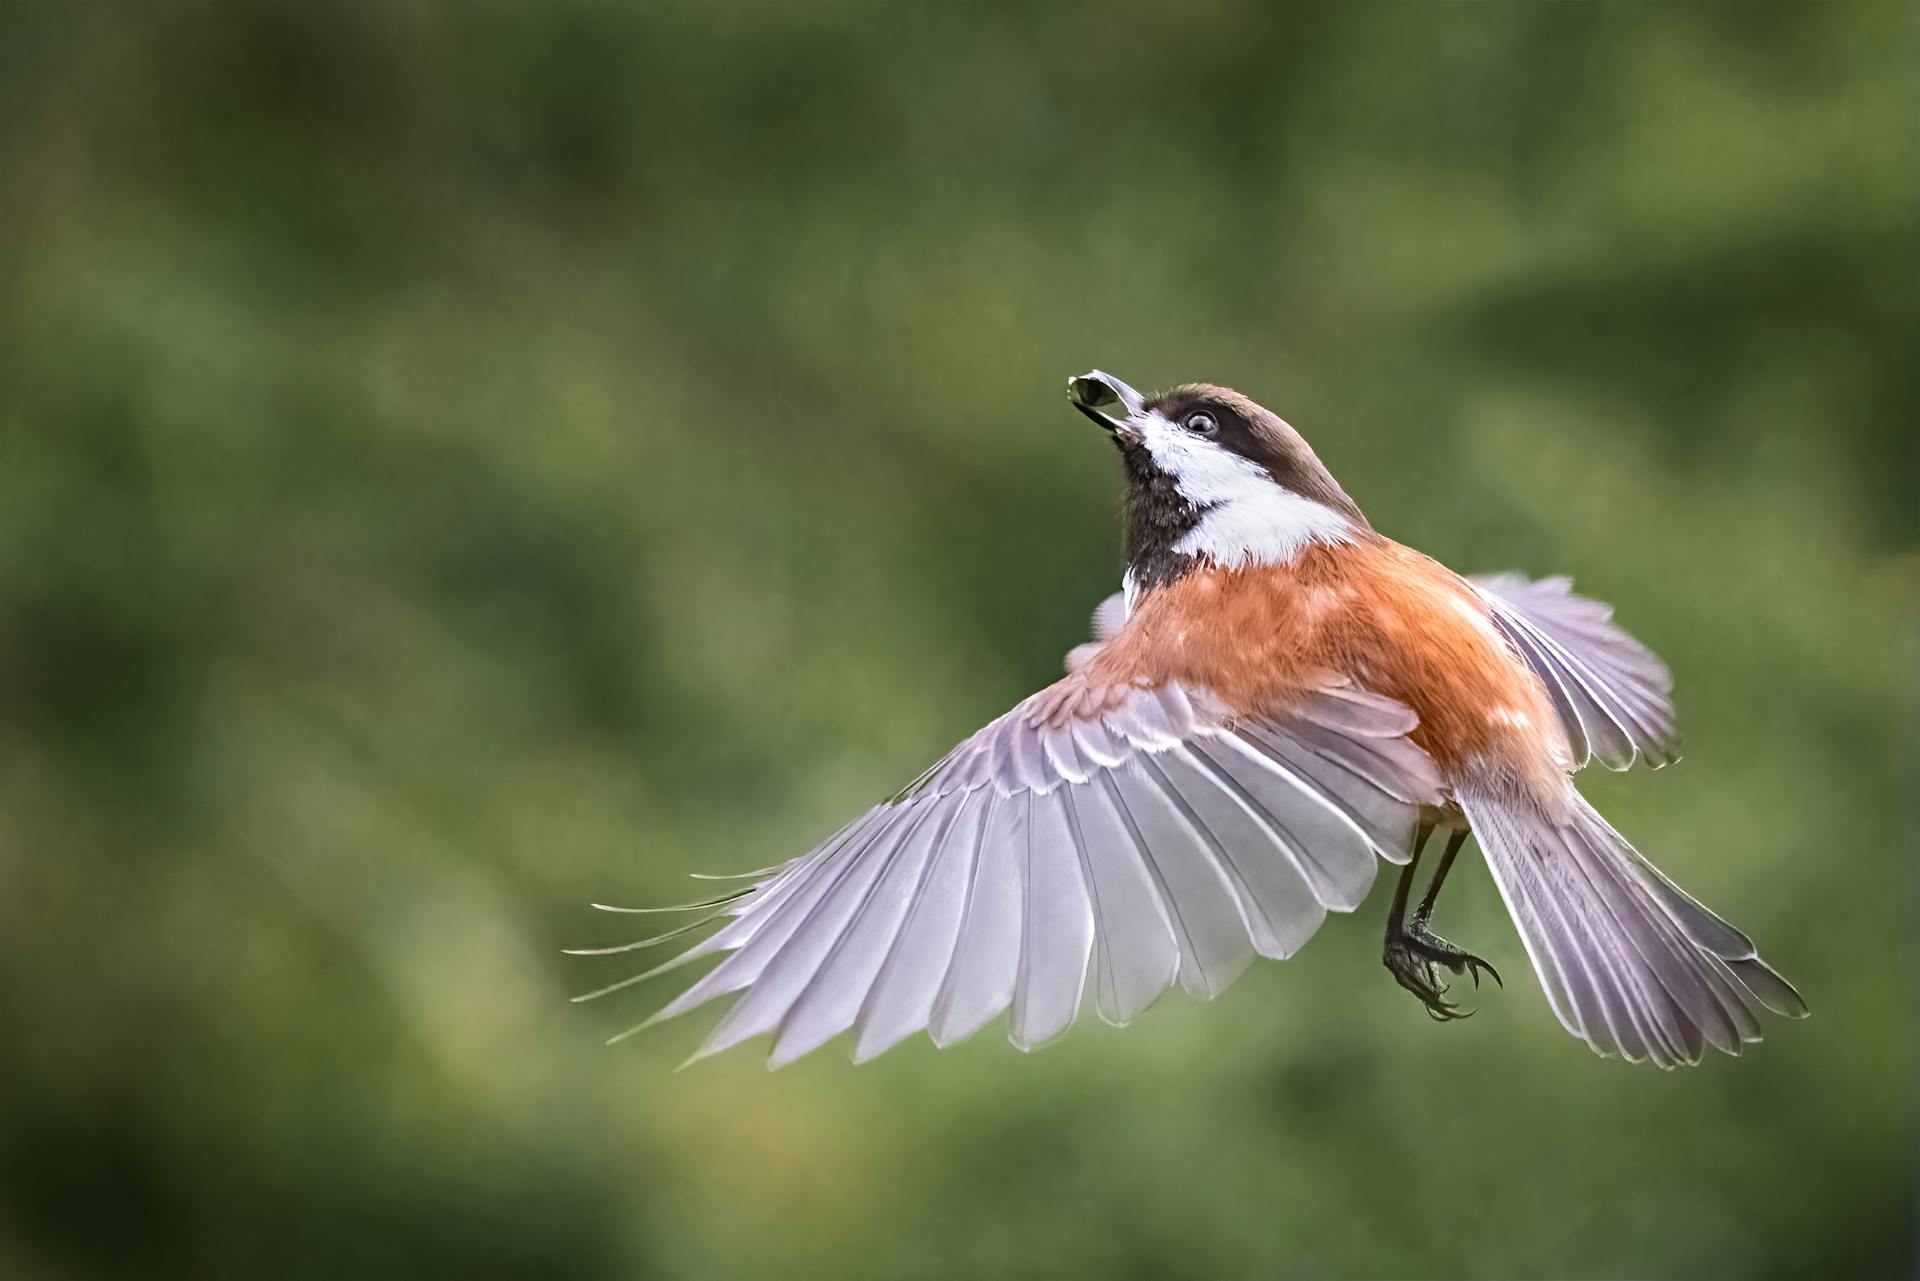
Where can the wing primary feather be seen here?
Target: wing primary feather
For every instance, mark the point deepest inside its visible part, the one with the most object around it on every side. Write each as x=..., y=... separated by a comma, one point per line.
x=1136, y=952
x=1053, y=962
x=785, y=917
x=1284, y=769
x=1615, y=730
x=1619, y=709
x=640, y=944
x=1769, y=988
x=795, y=960
x=1388, y=817
x=1342, y=893
x=708, y=946
x=980, y=980
x=830, y=1000
x=720, y=901
x=1102, y=930
x=1204, y=914
x=1578, y=742
x=633, y=980
x=1271, y=903
x=1183, y=937
x=903, y=994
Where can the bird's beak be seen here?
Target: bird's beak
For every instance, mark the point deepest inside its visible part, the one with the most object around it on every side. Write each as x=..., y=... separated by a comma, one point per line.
x=1109, y=402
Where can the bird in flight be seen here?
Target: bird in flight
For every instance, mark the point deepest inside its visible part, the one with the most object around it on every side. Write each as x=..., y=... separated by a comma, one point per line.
x=1279, y=696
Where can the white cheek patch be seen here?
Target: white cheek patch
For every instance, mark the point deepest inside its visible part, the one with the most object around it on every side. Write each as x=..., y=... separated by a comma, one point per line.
x=1246, y=517
x=1271, y=531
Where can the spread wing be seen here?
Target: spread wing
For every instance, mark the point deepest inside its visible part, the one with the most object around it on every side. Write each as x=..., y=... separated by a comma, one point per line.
x=1614, y=697
x=1141, y=836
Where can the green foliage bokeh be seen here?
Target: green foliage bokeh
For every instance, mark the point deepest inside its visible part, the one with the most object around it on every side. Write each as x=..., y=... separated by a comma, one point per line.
x=462, y=461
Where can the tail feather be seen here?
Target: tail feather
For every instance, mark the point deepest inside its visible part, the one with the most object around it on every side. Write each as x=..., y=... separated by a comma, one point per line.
x=1630, y=962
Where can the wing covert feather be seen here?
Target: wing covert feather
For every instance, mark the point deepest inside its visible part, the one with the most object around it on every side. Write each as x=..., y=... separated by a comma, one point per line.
x=1614, y=697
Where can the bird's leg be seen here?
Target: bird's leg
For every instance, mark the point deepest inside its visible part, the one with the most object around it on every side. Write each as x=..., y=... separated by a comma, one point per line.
x=1410, y=966
x=1425, y=942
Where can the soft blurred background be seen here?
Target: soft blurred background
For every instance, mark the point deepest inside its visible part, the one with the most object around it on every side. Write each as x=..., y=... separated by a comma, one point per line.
x=458, y=462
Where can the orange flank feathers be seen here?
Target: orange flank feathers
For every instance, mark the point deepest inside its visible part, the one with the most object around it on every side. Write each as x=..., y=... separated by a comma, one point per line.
x=1398, y=622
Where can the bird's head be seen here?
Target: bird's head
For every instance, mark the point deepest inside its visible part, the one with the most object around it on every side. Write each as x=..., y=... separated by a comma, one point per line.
x=1213, y=478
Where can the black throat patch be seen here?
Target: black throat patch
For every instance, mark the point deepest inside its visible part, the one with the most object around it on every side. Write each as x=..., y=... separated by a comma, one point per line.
x=1157, y=518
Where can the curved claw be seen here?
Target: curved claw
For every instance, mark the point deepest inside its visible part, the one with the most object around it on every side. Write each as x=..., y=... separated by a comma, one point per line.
x=1440, y=952
x=1475, y=964
x=1448, y=1012
x=1413, y=958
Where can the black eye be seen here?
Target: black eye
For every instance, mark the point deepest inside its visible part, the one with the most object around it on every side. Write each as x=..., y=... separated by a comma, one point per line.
x=1201, y=424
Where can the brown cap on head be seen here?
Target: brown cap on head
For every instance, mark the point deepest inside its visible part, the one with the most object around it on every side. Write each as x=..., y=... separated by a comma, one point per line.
x=1256, y=433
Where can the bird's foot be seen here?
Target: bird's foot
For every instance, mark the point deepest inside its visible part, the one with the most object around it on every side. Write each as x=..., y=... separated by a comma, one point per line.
x=1412, y=955
x=1437, y=950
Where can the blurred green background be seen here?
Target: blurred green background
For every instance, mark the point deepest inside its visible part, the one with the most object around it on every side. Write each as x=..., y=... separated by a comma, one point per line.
x=462, y=461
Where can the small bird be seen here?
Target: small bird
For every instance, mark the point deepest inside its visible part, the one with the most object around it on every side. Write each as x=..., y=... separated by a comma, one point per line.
x=1278, y=695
